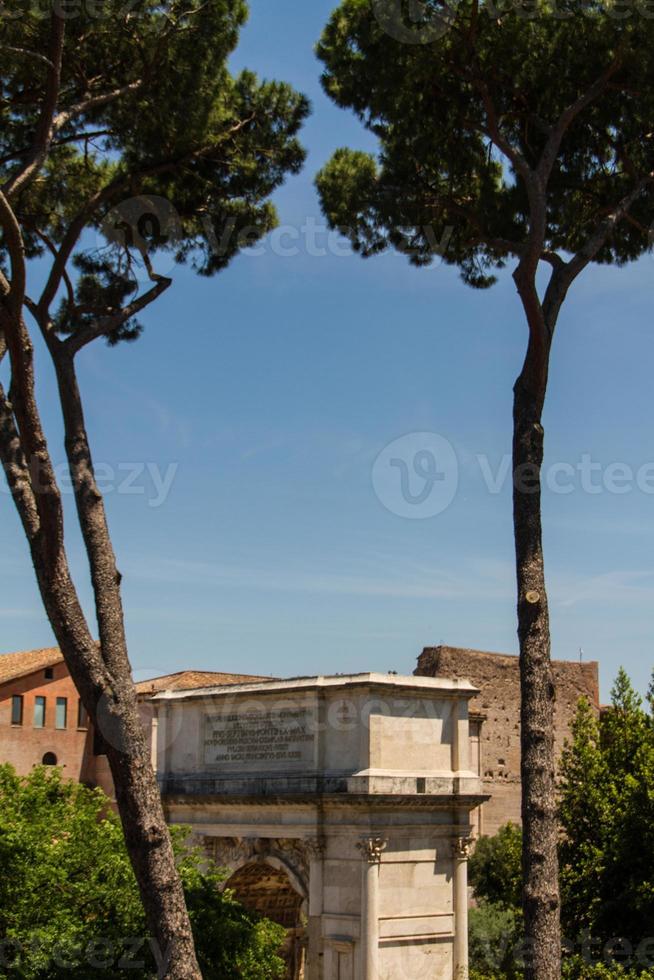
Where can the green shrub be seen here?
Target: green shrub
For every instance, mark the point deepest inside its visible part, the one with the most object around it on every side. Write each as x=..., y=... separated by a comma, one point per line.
x=494, y=869
x=70, y=906
x=494, y=937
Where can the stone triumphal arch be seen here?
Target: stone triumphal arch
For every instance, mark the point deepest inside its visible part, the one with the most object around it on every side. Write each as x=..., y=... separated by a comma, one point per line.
x=341, y=805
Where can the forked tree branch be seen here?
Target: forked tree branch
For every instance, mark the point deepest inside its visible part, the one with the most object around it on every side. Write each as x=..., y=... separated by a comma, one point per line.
x=565, y=275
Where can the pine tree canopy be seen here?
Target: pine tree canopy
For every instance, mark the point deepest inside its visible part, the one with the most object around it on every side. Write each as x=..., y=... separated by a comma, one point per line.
x=495, y=93
x=124, y=118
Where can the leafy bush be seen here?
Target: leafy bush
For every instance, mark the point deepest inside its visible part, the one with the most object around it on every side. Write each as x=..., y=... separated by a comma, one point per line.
x=69, y=904
x=495, y=867
x=576, y=968
x=495, y=934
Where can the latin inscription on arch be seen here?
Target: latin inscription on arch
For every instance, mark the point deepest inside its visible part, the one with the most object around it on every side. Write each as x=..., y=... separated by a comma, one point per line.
x=246, y=738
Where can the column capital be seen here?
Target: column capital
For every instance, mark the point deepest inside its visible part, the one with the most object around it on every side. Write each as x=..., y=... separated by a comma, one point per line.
x=461, y=848
x=371, y=849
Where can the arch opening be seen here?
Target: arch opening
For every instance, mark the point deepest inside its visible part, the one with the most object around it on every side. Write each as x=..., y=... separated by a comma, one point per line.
x=268, y=891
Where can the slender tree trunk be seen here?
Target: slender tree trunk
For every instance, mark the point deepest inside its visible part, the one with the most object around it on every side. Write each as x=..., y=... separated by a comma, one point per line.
x=117, y=718
x=101, y=672
x=540, y=859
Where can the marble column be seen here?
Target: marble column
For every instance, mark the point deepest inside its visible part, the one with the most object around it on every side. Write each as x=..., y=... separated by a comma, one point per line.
x=316, y=850
x=461, y=851
x=371, y=850
x=154, y=736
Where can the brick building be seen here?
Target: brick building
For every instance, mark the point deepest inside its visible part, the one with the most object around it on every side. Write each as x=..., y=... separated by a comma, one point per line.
x=41, y=716
x=495, y=717
x=43, y=722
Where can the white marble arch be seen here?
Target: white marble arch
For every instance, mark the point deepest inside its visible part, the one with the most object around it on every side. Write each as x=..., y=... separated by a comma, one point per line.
x=359, y=788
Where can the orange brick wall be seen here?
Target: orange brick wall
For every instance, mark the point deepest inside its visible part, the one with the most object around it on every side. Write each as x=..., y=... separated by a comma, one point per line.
x=24, y=746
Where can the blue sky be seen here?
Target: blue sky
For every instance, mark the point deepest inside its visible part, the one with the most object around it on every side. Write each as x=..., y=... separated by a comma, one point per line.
x=262, y=399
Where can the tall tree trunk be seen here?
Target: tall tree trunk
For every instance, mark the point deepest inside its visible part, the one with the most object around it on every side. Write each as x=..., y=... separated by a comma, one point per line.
x=101, y=672
x=117, y=717
x=540, y=859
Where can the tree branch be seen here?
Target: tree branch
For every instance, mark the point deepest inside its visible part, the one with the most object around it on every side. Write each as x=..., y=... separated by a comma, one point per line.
x=57, y=588
x=564, y=275
x=533, y=184
x=94, y=102
x=494, y=133
x=567, y=117
x=17, y=470
x=15, y=246
x=105, y=325
x=64, y=141
x=105, y=195
x=44, y=129
x=28, y=54
x=599, y=238
x=49, y=244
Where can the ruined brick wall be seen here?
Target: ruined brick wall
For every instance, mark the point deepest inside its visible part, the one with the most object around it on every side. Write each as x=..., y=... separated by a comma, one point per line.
x=498, y=679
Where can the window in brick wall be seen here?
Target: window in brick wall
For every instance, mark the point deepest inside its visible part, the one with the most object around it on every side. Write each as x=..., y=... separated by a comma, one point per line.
x=39, y=711
x=61, y=715
x=49, y=759
x=17, y=709
x=49, y=673
x=82, y=715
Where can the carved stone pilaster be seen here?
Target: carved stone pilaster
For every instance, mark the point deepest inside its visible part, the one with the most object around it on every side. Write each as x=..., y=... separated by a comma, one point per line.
x=372, y=848
x=315, y=847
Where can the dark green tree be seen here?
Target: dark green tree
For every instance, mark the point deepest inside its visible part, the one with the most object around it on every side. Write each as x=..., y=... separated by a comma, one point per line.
x=527, y=129
x=495, y=941
x=586, y=800
x=607, y=815
x=70, y=905
x=494, y=869
x=124, y=136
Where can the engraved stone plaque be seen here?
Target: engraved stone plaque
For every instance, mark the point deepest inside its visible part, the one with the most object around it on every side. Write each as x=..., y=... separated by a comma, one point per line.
x=276, y=738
